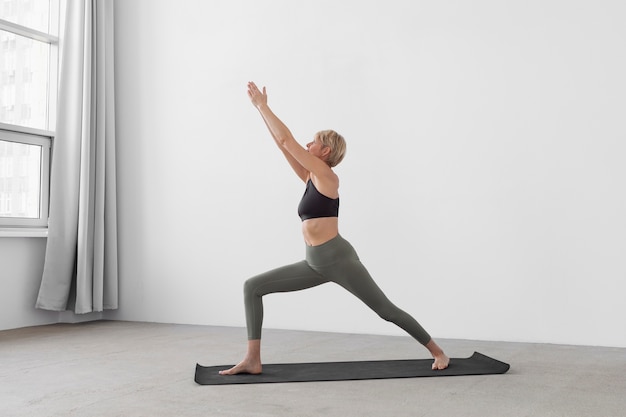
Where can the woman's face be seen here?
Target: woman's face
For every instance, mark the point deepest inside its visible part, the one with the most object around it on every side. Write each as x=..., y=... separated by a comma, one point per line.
x=317, y=148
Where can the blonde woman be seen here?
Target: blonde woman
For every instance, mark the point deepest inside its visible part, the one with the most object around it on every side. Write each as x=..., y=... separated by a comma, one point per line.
x=329, y=257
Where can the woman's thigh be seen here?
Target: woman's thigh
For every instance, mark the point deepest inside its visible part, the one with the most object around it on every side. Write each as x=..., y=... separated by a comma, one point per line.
x=293, y=277
x=354, y=277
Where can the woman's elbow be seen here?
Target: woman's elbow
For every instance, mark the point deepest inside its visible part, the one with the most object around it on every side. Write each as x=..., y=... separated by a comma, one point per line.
x=284, y=140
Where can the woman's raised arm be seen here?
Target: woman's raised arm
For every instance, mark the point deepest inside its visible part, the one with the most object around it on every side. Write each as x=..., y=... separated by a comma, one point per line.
x=300, y=160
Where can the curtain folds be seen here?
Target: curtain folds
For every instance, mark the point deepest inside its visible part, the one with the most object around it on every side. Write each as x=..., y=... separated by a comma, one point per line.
x=81, y=252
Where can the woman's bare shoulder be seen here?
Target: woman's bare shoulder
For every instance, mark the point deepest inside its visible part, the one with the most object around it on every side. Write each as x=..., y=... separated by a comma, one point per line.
x=327, y=184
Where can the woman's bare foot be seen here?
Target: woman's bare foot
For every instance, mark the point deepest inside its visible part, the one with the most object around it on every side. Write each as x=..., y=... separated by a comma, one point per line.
x=244, y=367
x=441, y=360
x=251, y=363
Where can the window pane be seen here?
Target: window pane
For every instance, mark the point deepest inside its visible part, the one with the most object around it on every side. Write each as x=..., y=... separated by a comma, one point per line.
x=23, y=81
x=34, y=14
x=20, y=179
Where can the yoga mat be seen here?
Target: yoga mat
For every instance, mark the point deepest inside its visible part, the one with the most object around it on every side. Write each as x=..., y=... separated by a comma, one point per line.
x=477, y=364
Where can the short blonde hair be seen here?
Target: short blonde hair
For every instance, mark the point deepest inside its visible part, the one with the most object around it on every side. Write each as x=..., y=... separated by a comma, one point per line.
x=336, y=143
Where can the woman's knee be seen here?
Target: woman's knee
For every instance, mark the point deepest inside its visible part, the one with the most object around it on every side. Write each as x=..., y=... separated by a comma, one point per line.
x=390, y=313
x=249, y=287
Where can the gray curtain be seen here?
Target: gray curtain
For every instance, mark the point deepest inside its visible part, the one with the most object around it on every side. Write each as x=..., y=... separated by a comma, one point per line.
x=81, y=252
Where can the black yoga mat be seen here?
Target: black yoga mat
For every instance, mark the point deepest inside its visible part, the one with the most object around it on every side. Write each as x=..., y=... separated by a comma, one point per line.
x=477, y=364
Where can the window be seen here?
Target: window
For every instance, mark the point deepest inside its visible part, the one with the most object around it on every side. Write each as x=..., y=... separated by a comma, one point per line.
x=24, y=174
x=28, y=90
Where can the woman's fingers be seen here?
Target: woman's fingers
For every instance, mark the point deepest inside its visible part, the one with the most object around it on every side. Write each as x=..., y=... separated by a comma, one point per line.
x=257, y=97
x=252, y=86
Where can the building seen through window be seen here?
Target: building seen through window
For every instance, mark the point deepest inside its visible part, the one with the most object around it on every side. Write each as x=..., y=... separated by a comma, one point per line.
x=28, y=80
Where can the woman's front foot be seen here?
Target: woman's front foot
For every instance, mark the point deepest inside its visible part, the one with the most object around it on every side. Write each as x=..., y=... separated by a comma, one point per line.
x=244, y=367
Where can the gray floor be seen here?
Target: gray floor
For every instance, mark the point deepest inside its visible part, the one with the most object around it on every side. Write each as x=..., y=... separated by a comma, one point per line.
x=144, y=369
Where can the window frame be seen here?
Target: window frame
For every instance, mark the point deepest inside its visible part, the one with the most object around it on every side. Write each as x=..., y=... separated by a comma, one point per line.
x=12, y=226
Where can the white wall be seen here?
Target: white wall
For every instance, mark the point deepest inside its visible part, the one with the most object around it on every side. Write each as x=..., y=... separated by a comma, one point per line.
x=21, y=265
x=484, y=185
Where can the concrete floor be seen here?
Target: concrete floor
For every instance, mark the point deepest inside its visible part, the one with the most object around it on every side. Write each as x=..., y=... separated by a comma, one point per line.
x=144, y=369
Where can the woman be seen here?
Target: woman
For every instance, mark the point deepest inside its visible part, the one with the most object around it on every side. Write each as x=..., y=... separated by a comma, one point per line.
x=329, y=258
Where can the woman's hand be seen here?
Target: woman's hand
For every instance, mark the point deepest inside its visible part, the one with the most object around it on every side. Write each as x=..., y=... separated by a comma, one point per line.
x=257, y=97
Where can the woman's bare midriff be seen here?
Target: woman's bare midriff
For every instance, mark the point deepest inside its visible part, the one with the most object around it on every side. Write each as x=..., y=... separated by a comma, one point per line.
x=320, y=230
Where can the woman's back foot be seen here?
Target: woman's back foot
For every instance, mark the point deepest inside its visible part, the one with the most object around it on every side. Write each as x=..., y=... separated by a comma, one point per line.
x=441, y=362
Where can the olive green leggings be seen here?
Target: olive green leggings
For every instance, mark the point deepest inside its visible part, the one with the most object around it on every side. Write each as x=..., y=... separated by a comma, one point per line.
x=333, y=261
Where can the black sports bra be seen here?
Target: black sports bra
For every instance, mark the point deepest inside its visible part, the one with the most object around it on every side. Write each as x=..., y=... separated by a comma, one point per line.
x=315, y=204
